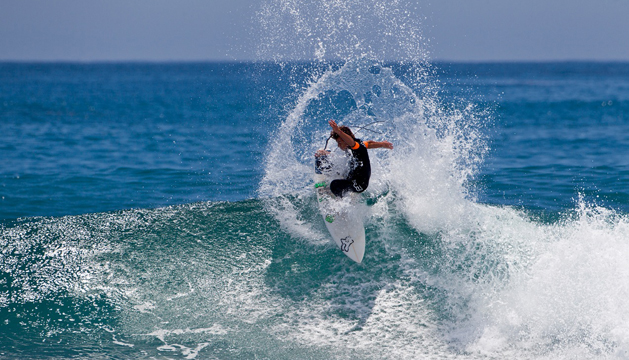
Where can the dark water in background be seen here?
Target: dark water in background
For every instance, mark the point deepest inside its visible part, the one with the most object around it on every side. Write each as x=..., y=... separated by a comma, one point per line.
x=170, y=250
x=559, y=127
x=90, y=138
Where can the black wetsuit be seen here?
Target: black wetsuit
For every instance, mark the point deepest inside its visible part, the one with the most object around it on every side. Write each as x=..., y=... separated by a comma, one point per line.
x=359, y=172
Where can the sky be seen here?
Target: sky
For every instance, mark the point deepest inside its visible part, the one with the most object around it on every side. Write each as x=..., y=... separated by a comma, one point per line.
x=225, y=30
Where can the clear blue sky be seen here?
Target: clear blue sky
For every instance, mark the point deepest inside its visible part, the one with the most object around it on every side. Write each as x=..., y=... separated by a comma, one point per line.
x=184, y=30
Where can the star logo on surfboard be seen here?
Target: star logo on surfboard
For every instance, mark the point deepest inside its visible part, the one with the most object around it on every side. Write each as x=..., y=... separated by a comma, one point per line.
x=346, y=242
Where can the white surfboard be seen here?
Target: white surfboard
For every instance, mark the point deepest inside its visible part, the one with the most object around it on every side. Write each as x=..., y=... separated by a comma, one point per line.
x=340, y=215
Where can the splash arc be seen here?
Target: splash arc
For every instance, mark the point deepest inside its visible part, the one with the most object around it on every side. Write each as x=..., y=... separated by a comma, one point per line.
x=340, y=216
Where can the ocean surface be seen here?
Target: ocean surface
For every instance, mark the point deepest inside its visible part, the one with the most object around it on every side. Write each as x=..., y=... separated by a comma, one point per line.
x=166, y=210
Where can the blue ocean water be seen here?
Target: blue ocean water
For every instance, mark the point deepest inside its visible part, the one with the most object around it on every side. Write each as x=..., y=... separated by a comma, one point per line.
x=81, y=138
x=155, y=210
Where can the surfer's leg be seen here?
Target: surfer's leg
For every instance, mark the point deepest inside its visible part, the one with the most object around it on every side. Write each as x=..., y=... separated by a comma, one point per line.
x=340, y=187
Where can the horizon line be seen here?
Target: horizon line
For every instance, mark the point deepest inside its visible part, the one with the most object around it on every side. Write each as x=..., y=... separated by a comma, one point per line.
x=262, y=61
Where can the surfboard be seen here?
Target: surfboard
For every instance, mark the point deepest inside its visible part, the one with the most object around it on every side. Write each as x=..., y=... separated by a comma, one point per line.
x=344, y=223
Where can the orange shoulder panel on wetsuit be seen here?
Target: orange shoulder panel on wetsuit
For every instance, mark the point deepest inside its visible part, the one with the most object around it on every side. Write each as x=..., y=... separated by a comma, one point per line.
x=366, y=143
x=356, y=145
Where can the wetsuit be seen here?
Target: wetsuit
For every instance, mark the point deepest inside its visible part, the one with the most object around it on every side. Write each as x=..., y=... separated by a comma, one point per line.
x=359, y=171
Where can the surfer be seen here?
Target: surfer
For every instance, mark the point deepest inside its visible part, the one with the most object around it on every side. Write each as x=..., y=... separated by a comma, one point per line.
x=360, y=168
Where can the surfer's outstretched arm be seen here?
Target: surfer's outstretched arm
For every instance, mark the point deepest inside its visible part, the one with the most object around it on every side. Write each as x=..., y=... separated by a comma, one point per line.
x=378, y=144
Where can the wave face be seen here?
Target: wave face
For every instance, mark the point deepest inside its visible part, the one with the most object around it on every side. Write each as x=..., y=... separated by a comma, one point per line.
x=231, y=280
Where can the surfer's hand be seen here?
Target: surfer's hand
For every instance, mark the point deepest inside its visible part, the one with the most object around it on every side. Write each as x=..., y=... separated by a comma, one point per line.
x=386, y=144
x=321, y=153
x=334, y=126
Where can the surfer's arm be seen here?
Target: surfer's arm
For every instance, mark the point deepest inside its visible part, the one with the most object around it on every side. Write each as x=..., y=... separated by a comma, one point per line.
x=378, y=144
x=345, y=137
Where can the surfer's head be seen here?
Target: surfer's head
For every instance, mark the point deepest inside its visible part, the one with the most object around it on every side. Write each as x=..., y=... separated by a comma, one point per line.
x=342, y=145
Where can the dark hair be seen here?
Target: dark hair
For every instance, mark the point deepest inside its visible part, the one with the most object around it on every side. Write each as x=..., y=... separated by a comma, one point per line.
x=344, y=129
